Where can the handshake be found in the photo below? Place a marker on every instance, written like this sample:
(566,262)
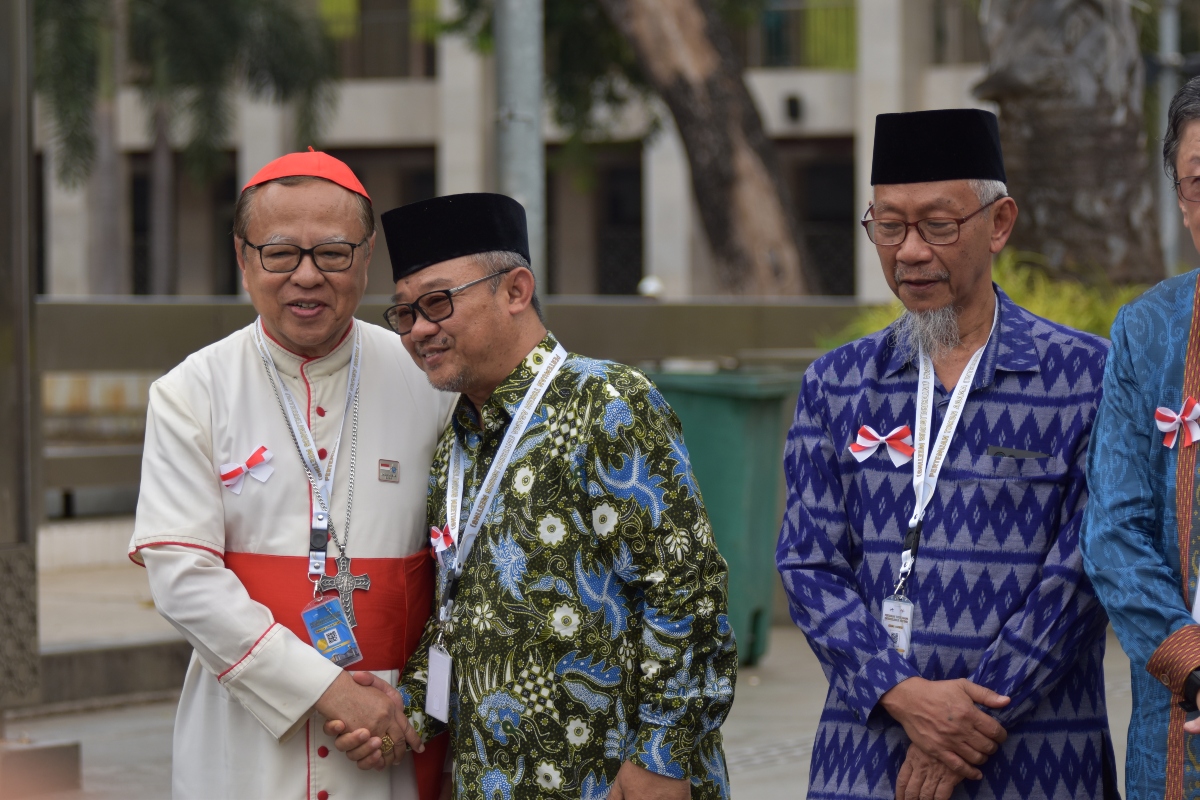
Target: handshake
(366,714)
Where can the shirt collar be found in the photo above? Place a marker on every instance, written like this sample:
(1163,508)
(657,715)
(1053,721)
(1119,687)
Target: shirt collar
(1011,349)
(289,363)
(500,408)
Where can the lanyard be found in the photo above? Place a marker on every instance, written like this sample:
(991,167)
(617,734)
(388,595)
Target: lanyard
(465,540)
(320,480)
(926,466)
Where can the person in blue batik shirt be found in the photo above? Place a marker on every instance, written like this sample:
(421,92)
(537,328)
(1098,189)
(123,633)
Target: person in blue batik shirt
(1141,534)
(987,679)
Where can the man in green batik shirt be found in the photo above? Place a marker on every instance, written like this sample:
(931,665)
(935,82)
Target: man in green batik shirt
(592,653)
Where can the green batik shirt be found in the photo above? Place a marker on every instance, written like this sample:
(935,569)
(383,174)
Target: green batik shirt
(590,625)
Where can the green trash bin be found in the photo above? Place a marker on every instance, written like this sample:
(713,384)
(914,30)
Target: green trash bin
(734,427)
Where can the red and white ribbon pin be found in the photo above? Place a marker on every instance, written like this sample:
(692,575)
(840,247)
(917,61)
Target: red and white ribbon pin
(232,475)
(440,539)
(899,444)
(1169,423)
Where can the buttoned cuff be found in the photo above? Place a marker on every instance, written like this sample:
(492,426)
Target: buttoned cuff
(280,681)
(1175,658)
(876,678)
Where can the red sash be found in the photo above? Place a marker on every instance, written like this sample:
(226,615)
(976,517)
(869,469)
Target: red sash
(391,618)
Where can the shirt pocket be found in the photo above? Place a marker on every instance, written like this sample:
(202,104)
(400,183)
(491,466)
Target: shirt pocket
(1007,468)
(1018,499)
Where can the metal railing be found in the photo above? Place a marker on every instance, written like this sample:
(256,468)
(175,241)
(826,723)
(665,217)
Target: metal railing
(147,337)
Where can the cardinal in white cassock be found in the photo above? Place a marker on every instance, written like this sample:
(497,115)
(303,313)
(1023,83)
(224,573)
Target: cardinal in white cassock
(282,510)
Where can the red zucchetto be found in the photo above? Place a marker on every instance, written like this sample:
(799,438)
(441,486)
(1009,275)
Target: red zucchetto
(310,164)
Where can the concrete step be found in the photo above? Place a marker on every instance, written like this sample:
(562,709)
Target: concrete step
(99,634)
(105,673)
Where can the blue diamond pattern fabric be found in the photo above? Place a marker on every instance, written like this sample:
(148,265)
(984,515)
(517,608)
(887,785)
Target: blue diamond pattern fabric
(999,590)
(1130,532)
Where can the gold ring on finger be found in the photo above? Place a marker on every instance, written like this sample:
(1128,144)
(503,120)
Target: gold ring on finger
(388,744)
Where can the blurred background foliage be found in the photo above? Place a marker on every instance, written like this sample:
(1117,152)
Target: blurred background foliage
(1087,307)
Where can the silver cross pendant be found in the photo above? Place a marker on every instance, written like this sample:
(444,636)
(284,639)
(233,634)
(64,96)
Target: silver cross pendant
(344,584)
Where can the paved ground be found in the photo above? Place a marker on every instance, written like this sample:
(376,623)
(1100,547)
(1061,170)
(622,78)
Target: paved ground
(127,750)
(769,733)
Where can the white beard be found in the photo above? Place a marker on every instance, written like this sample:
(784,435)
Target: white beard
(933,332)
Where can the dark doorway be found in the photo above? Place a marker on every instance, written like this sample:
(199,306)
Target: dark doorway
(619,236)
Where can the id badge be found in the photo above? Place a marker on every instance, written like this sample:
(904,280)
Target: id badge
(330,632)
(437,692)
(897,619)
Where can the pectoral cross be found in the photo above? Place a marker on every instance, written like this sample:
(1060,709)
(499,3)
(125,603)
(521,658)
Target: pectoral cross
(344,584)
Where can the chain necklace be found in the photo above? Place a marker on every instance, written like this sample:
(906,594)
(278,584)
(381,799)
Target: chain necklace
(343,582)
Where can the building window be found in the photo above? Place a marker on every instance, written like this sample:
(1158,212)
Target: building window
(957,37)
(821,178)
(815,34)
(619,236)
(392,176)
(594,220)
(139,198)
(204,258)
(383,38)
(39,222)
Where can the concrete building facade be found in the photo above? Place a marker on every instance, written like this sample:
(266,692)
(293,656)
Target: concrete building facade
(415,118)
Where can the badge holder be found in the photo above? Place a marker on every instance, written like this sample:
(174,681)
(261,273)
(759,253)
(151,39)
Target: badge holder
(441,665)
(898,609)
(324,618)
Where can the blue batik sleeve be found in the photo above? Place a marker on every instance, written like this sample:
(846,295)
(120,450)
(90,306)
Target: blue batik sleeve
(815,554)
(1041,641)
(1123,551)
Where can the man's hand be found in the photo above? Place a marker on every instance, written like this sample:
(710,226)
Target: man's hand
(923,777)
(362,708)
(940,717)
(638,783)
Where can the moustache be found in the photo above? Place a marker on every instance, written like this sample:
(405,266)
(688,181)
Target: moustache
(421,347)
(916,275)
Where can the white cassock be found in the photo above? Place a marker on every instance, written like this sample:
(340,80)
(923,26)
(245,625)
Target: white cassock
(229,570)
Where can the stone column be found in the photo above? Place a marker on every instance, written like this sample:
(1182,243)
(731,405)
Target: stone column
(463,118)
(895,42)
(667,212)
(18,438)
(67,233)
(264,133)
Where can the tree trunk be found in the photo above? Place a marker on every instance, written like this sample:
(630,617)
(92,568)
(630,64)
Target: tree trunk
(1067,75)
(162,205)
(745,206)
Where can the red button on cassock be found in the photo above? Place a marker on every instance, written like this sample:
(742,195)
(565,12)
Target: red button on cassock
(322,453)
(320,411)
(322,795)
(322,751)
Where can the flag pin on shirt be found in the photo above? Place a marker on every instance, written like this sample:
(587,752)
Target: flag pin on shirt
(389,471)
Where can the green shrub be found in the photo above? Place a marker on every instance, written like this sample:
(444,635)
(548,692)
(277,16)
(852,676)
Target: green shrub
(1088,308)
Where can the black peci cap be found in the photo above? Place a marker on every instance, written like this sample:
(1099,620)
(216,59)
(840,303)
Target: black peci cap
(947,145)
(432,231)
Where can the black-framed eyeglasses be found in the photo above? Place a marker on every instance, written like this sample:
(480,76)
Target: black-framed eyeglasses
(934,230)
(328,257)
(1189,188)
(435,306)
